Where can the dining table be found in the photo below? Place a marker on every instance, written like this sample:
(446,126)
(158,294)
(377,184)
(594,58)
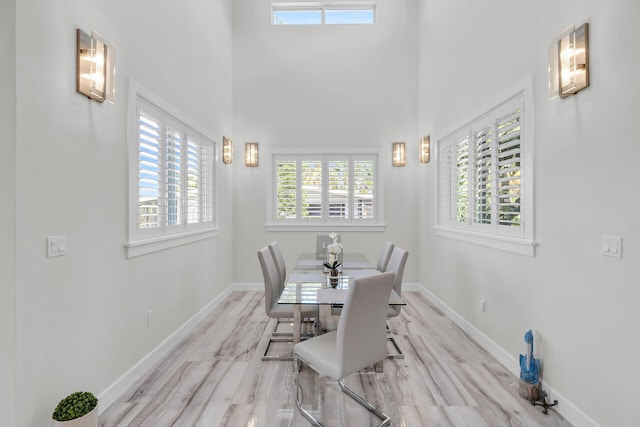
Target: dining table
(309,284)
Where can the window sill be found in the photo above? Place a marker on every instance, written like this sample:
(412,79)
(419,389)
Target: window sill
(324,227)
(509,244)
(146,246)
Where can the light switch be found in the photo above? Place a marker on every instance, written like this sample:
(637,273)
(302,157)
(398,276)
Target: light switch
(611,246)
(56,246)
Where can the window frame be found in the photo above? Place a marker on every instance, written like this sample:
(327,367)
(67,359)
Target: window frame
(323,8)
(325,223)
(520,240)
(141,241)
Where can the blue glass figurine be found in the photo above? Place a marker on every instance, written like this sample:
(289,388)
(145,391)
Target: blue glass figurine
(529,365)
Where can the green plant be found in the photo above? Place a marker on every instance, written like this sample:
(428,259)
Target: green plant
(74,406)
(333,268)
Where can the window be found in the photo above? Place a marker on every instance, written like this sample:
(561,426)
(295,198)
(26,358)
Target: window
(484,178)
(325,189)
(171,180)
(318,14)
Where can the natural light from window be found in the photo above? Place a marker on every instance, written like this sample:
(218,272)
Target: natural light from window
(308,14)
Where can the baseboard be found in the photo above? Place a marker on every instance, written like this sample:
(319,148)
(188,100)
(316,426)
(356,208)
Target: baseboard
(112,393)
(247,286)
(568,410)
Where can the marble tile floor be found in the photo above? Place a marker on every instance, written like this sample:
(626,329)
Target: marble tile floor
(216,377)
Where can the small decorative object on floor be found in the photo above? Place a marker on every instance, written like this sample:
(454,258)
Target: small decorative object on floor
(530,377)
(542,397)
(79,409)
(529,371)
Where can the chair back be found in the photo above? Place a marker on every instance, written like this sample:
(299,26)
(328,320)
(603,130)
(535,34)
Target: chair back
(322,240)
(384,256)
(270,275)
(396,264)
(361,336)
(278,258)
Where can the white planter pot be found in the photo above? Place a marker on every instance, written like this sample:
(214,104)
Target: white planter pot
(88,420)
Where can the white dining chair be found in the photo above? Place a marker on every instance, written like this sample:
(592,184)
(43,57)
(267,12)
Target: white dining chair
(396,264)
(276,253)
(359,341)
(272,291)
(383,260)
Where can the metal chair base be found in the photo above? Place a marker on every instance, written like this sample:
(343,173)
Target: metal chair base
(398,354)
(386,421)
(286,337)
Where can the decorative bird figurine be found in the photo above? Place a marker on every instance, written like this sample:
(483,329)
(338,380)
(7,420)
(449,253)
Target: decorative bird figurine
(529,365)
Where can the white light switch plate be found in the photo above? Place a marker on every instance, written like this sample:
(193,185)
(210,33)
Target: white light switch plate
(611,246)
(56,246)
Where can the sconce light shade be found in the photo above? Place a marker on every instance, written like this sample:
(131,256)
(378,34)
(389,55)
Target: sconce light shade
(425,149)
(569,62)
(95,67)
(227,150)
(251,154)
(399,154)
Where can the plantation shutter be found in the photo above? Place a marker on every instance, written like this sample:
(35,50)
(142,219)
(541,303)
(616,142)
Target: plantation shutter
(446,178)
(462,180)
(286,189)
(485,188)
(149,172)
(480,175)
(319,189)
(483,170)
(207,179)
(338,183)
(509,177)
(311,189)
(364,189)
(193,182)
(173,168)
(171,179)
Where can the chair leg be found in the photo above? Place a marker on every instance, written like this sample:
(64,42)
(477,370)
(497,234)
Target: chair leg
(368,405)
(386,421)
(304,412)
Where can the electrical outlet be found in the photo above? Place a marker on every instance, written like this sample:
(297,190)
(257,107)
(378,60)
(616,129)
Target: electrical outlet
(483,305)
(150,317)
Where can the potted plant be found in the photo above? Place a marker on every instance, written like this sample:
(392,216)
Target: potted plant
(79,409)
(333,272)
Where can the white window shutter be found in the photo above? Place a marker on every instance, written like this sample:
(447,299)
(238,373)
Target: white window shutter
(364,189)
(149,173)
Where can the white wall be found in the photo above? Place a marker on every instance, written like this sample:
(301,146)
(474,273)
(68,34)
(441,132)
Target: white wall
(582,305)
(81,318)
(324,87)
(7,213)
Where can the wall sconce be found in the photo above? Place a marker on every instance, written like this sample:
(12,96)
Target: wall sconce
(251,154)
(569,62)
(227,150)
(95,61)
(399,154)
(425,149)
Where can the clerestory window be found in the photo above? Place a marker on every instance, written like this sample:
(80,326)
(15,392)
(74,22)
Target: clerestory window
(322,14)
